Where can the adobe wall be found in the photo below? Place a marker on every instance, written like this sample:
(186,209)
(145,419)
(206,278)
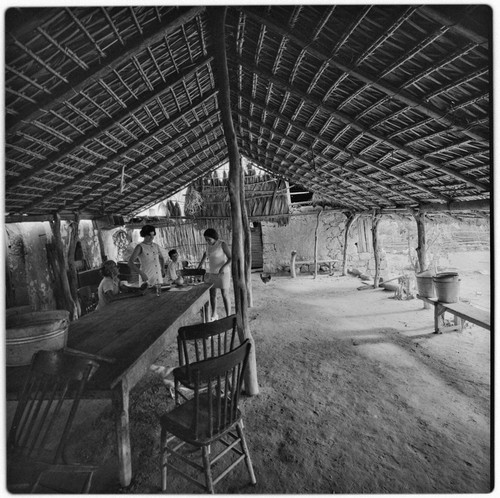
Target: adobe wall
(28,278)
(299,235)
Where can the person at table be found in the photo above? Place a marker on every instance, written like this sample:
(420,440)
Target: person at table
(149,254)
(219,270)
(110,289)
(174,268)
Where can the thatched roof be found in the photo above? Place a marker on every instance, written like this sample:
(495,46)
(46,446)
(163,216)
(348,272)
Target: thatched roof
(371,107)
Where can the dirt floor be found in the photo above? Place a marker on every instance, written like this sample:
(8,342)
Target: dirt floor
(357,395)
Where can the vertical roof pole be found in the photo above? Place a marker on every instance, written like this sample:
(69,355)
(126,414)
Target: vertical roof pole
(239,221)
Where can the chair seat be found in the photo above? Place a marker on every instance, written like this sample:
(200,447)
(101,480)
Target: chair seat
(179,422)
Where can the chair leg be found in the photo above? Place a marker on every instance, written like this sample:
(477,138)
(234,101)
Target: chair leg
(205,451)
(244,448)
(164,458)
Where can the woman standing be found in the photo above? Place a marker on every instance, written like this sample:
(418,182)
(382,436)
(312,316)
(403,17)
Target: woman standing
(149,254)
(219,270)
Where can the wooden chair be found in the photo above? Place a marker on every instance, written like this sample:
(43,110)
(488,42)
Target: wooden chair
(42,422)
(201,342)
(89,299)
(211,422)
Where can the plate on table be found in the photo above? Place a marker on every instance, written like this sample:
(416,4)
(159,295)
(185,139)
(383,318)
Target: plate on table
(131,286)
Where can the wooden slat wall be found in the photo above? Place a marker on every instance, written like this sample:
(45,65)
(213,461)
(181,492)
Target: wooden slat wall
(188,238)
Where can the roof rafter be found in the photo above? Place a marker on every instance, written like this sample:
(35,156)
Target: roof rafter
(153,169)
(372,80)
(110,123)
(300,157)
(117,57)
(268,76)
(115,157)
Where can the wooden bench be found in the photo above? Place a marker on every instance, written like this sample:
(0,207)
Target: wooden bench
(463,312)
(329,262)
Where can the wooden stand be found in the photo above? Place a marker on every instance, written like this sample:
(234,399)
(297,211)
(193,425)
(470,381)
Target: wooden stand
(462,312)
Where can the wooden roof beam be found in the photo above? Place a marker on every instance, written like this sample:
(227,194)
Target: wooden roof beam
(115,157)
(431,13)
(277,166)
(208,167)
(284,85)
(147,97)
(328,143)
(116,56)
(480,205)
(157,170)
(332,175)
(373,80)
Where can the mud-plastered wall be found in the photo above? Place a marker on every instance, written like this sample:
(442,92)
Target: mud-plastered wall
(329,227)
(28,278)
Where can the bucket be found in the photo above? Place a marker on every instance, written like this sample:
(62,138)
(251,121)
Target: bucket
(447,287)
(425,284)
(31,332)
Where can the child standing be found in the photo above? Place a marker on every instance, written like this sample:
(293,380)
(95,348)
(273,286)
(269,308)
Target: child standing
(174,268)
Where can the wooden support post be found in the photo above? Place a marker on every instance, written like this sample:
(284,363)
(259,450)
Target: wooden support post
(316,244)
(350,217)
(216,20)
(57,263)
(292,264)
(376,249)
(422,246)
(247,239)
(72,273)
(120,402)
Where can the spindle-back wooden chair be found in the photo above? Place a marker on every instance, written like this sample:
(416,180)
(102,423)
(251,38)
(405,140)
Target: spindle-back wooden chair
(210,422)
(203,341)
(41,426)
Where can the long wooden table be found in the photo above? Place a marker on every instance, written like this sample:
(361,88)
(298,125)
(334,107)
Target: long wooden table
(129,335)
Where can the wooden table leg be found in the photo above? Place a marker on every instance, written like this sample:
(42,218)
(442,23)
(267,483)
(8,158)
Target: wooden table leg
(438,315)
(206,311)
(120,408)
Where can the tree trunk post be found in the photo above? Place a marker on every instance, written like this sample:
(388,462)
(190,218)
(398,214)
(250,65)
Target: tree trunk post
(72,273)
(422,245)
(316,244)
(376,249)
(239,263)
(247,240)
(350,217)
(65,300)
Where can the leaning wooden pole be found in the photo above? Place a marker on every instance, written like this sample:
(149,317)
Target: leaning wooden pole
(217,16)
(247,239)
(421,247)
(72,273)
(349,221)
(376,249)
(316,244)
(58,264)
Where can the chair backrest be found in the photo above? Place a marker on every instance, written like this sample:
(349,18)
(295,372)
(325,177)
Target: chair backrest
(48,403)
(89,298)
(217,386)
(206,340)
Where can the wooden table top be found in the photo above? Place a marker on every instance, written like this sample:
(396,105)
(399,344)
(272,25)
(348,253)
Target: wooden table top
(126,330)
